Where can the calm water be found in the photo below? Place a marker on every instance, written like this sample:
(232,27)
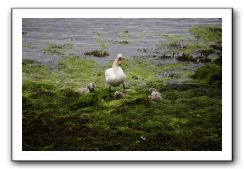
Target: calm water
(84,34)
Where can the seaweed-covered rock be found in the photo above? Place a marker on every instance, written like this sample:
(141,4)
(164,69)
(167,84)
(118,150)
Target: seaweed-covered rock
(204,59)
(216,46)
(97,53)
(186,58)
(57,49)
(205,52)
(209,73)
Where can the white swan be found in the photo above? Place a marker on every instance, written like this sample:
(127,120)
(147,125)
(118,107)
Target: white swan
(115,76)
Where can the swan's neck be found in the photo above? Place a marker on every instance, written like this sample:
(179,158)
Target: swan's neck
(115,65)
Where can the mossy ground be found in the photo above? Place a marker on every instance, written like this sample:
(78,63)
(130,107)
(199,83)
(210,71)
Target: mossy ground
(57,117)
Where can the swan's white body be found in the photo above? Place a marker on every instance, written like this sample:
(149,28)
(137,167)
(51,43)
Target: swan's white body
(115,76)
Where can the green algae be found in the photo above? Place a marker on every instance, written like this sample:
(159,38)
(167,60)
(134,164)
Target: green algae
(57,49)
(102,43)
(57,117)
(207,35)
(97,53)
(209,73)
(202,44)
(25,45)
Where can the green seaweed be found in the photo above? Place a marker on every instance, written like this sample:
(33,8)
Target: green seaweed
(102,43)
(57,49)
(203,44)
(207,34)
(24,45)
(57,117)
(209,73)
(97,53)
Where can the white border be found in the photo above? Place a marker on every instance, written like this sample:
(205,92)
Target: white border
(19,155)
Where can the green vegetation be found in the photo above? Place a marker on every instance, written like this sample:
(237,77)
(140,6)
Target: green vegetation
(57,49)
(102,43)
(97,53)
(56,116)
(207,35)
(123,34)
(209,73)
(186,58)
(206,39)
(203,44)
(125,42)
(24,45)
(103,46)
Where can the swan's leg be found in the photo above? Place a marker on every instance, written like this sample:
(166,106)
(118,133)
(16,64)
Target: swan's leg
(123,86)
(109,90)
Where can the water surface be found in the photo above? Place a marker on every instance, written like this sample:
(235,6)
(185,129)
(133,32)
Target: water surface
(84,33)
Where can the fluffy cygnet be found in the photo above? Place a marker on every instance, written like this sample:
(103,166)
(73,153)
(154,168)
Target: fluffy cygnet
(119,95)
(88,88)
(155,95)
(84,90)
(91,86)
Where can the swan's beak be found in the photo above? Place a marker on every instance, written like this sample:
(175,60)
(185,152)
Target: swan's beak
(121,60)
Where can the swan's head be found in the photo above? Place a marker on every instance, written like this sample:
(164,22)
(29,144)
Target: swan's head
(91,86)
(120,58)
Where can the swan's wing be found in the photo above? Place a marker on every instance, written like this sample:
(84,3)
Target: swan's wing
(121,72)
(109,74)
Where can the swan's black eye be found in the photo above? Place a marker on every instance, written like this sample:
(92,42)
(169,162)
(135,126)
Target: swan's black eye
(120,58)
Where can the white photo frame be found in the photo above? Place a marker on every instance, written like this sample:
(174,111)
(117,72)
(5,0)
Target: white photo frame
(19,155)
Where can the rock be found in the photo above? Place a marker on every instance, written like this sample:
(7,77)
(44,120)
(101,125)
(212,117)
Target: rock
(186,58)
(97,53)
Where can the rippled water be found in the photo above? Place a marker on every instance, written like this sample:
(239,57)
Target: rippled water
(83,34)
